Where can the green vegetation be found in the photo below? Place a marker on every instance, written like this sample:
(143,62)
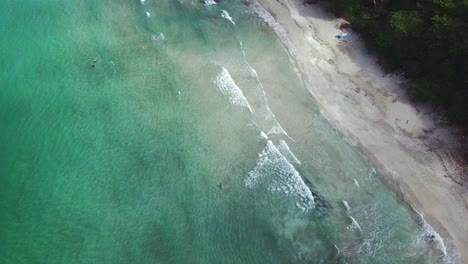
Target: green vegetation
(426,39)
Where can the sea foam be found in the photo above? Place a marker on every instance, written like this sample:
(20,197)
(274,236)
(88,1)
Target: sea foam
(284,149)
(276,129)
(277,28)
(356,183)
(158,37)
(225,15)
(346,205)
(228,87)
(274,170)
(446,246)
(355,223)
(209,2)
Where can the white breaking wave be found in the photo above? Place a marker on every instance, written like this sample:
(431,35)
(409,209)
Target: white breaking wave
(337,249)
(209,2)
(148,14)
(446,246)
(263,135)
(269,115)
(279,30)
(356,183)
(346,205)
(280,176)
(158,37)
(225,15)
(355,223)
(253,72)
(228,87)
(277,129)
(142,2)
(284,149)
(371,173)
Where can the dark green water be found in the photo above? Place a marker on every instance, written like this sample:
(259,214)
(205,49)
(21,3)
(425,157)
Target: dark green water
(122,162)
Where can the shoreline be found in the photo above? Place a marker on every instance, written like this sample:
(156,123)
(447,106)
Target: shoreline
(410,146)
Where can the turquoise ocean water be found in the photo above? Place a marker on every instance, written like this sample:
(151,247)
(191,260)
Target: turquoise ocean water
(190,140)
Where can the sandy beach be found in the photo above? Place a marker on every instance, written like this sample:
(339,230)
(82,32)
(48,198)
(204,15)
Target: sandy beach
(410,146)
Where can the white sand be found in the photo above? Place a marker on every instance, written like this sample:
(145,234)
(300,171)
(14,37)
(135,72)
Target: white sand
(373,109)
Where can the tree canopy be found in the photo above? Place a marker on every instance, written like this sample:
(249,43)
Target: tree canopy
(426,39)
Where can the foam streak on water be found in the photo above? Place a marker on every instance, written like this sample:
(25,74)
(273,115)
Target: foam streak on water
(209,2)
(158,37)
(276,129)
(284,149)
(355,223)
(279,175)
(268,115)
(356,183)
(225,15)
(228,87)
(346,205)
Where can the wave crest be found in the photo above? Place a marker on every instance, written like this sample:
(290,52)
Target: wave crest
(228,87)
(280,176)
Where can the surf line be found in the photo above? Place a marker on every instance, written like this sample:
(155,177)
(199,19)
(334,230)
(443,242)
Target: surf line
(277,128)
(273,169)
(228,87)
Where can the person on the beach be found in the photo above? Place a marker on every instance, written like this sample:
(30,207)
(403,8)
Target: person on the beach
(343,36)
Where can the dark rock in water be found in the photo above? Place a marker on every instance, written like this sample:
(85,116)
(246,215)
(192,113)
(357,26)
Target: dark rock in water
(320,201)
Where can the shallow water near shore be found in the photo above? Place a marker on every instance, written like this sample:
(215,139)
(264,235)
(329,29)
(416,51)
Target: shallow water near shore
(190,140)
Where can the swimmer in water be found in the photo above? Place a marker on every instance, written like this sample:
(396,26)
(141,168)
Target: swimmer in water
(220,186)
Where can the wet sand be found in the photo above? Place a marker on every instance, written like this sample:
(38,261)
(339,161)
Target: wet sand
(409,145)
